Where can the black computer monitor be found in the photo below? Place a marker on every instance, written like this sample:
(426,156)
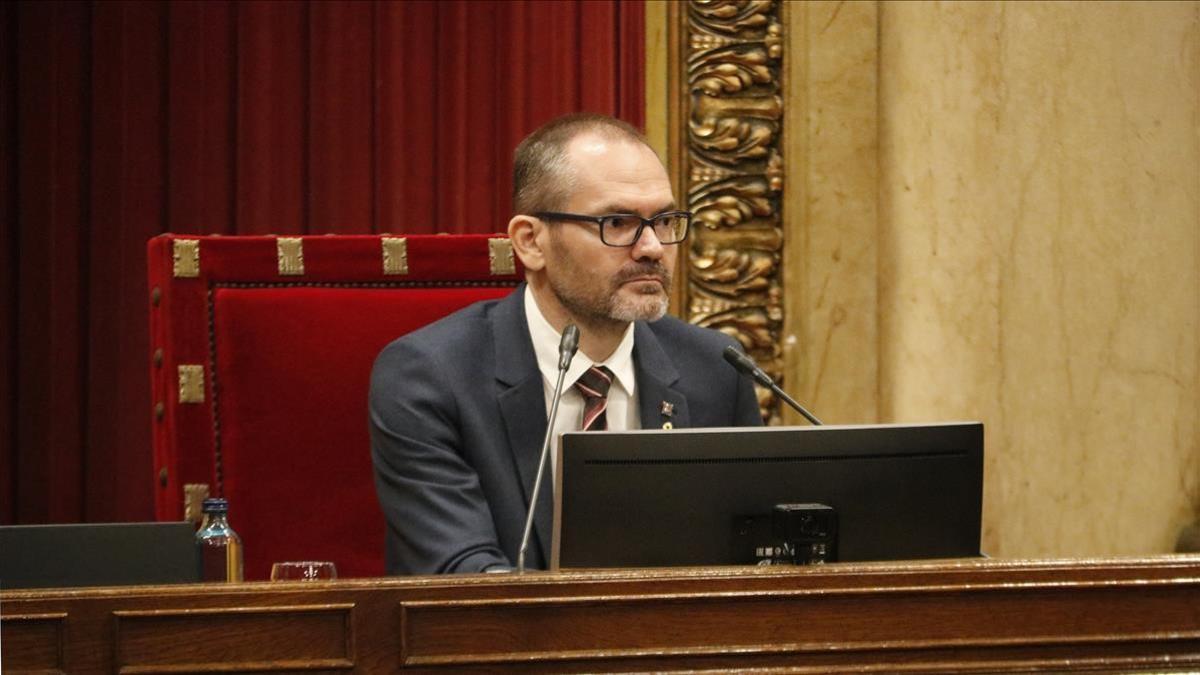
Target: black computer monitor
(717,496)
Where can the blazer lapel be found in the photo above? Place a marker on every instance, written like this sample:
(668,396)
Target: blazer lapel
(660,404)
(523,406)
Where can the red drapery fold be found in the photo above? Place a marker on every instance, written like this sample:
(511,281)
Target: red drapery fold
(122,120)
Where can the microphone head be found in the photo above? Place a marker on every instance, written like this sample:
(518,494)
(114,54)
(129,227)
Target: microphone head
(568,346)
(570,339)
(745,365)
(738,360)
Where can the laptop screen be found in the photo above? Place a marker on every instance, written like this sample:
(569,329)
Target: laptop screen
(98,554)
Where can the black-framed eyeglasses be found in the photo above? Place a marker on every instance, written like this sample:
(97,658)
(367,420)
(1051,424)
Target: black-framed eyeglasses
(624,229)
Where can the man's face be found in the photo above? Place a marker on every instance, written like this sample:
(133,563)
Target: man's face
(607,284)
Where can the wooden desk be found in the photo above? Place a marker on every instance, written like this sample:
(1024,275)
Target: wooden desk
(1111,614)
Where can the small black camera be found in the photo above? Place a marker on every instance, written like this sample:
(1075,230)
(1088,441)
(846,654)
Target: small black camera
(792,534)
(806,534)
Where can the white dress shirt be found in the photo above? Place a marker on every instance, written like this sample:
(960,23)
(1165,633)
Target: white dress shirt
(622,412)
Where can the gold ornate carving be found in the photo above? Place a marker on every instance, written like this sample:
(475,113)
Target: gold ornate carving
(290,251)
(500,255)
(730,18)
(186,254)
(395,255)
(191,383)
(733,109)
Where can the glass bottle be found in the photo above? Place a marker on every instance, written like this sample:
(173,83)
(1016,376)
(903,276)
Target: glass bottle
(220,547)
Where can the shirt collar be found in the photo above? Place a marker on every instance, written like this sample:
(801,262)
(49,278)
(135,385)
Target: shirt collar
(545,347)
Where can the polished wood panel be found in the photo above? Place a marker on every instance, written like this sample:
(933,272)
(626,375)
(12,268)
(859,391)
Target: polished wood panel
(235,637)
(1111,615)
(34,641)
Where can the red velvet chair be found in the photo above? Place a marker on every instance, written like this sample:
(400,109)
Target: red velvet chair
(261,354)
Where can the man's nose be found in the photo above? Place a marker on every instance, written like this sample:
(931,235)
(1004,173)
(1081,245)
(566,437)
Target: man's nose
(647,245)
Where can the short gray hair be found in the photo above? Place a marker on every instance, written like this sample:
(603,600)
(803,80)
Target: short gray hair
(542,177)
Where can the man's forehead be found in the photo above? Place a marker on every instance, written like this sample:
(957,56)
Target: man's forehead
(594,144)
(590,144)
(611,170)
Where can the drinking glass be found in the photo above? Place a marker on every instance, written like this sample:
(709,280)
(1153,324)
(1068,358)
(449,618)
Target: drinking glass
(303,570)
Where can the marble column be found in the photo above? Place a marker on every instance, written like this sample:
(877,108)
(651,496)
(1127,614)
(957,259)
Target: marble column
(1039,258)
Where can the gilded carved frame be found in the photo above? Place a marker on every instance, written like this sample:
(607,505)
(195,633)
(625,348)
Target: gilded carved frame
(724,138)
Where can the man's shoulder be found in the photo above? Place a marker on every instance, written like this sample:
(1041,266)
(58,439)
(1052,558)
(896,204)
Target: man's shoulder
(452,325)
(460,331)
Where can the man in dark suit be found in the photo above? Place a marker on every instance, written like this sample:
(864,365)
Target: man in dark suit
(459,408)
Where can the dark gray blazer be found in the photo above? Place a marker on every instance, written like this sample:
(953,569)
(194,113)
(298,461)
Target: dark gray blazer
(457,416)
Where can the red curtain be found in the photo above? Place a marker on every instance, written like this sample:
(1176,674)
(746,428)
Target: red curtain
(123,120)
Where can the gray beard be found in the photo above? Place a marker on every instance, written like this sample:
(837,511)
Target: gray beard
(615,309)
(649,307)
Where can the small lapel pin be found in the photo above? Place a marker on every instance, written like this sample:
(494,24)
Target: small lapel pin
(668,408)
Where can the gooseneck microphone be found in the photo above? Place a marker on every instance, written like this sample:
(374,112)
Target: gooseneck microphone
(566,351)
(747,366)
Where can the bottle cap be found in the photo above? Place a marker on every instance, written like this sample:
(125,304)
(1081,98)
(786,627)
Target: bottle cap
(215,505)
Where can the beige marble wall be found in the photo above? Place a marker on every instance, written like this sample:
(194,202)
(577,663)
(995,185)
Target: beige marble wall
(829,209)
(1039,258)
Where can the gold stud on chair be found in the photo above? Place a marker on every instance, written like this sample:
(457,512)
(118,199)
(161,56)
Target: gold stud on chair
(290,251)
(500,254)
(395,255)
(186,258)
(191,383)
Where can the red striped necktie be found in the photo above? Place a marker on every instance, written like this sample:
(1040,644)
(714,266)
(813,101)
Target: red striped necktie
(594,385)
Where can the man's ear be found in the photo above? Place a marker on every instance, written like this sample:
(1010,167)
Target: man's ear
(523,233)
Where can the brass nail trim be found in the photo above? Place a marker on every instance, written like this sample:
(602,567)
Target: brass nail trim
(395,255)
(290,251)
(186,256)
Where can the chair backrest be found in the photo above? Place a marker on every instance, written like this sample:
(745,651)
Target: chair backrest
(261,355)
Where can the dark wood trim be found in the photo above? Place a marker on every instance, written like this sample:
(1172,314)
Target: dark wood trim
(1116,614)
